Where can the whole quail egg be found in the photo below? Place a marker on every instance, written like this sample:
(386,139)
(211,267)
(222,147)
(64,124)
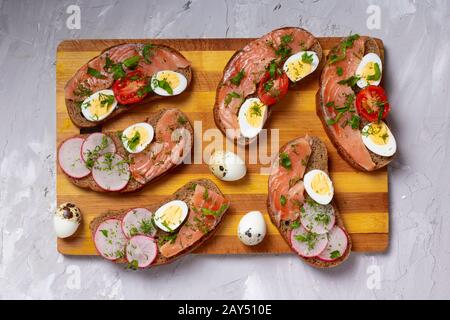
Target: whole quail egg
(66,220)
(252,228)
(227,166)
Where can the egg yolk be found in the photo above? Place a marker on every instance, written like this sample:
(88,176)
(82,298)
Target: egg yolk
(297,69)
(368,70)
(143,134)
(378,133)
(255,114)
(97,108)
(170,77)
(320,184)
(172,215)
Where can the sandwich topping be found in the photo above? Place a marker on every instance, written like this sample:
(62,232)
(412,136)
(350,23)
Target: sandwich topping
(299,203)
(263,68)
(353,99)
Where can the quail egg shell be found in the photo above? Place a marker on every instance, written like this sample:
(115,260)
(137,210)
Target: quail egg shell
(252,228)
(66,220)
(227,166)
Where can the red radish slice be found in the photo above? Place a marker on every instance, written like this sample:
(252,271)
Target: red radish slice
(111,172)
(95,145)
(317,218)
(110,240)
(337,245)
(308,244)
(141,249)
(138,221)
(69,158)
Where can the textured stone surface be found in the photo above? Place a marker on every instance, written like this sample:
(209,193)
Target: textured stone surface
(417,38)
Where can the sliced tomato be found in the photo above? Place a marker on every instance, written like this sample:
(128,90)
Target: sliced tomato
(372,104)
(271,90)
(131,88)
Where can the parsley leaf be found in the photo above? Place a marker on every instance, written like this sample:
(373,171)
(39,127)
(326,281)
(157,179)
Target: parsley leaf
(350,81)
(95,73)
(285,161)
(307,58)
(339,71)
(131,62)
(236,80)
(282,200)
(147,52)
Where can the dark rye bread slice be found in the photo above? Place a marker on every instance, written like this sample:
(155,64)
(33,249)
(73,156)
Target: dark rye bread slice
(184,193)
(370,46)
(316,47)
(88,182)
(317,160)
(74,107)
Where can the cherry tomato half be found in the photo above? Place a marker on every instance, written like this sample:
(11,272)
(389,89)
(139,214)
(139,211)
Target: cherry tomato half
(372,104)
(271,90)
(131,88)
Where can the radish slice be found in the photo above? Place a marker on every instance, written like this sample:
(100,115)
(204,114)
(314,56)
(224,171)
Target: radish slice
(110,240)
(308,244)
(337,245)
(111,172)
(317,218)
(141,250)
(138,221)
(69,158)
(95,145)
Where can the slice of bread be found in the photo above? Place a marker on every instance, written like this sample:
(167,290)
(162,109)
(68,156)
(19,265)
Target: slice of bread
(184,193)
(317,160)
(370,46)
(246,141)
(133,185)
(74,108)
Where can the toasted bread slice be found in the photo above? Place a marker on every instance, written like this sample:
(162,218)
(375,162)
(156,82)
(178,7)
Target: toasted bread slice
(88,182)
(317,160)
(74,108)
(316,47)
(185,194)
(370,46)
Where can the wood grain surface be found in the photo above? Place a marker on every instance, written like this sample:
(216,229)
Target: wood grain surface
(361,197)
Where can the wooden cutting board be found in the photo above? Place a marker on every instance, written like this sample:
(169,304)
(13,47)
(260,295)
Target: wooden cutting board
(362,197)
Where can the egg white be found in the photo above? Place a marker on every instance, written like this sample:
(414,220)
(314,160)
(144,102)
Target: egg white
(227,166)
(386,150)
(247,130)
(169,227)
(298,56)
(177,90)
(142,144)
(322,199)
(370,57)
(87,113)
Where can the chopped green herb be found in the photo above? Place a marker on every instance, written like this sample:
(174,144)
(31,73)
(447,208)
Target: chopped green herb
(348,107)
(285,161)
(339,71)
(377,75)
(354,121)
(350,81)
(148,52)
(335,254)
(133,265)
(205,194)
(133,142)
(236,80)
(95,73)
(283,200)
(310,238)
(307,58)
(287,38)
(105,233)
(230,96)
(347,43)
(181,120)
(193,186)
(268,85)
(115,68)
(163,84)
(295,224)
(131,62)
(209,212)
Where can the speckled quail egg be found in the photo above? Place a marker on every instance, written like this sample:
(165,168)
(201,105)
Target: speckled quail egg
(252,228)
(227,166)
(66,220)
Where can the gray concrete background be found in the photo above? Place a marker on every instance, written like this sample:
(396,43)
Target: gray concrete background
(417,37)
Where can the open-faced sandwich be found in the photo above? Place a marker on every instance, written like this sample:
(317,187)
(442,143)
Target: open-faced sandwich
(126,161)
(259,75)
(124,76)
(159,233)
(352,105)
(301,206)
